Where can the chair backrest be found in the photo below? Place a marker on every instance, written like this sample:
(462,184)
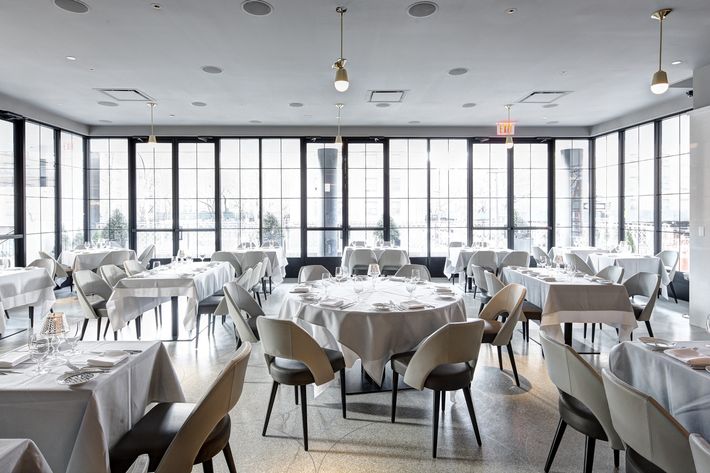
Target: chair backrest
(612,273)
(406,271)
(47,264)
(284,339)
(573,261)
(701,453)
(117,257)
(88,284)
(147,255)
(216,403)
(256,274)
(245,279)
(670,261)
(230,258)
(455,342)
(392,258)
(132,267)
(485,258)
(539,254)
(234,294)
(479,278)
(266,269)
(357,244)
(646,427)
(575,376)
(644,284)
(516,258)
(111,274)
(493,283)
(361,257)
(58,269)
(312,272)
(509,302)
(252,258)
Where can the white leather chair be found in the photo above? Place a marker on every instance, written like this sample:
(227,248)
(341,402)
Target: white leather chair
(485,259)
(312,272)
(391,260)
(111,274)
(515,258)
(60,270)
(244,311)
(406,271)
(133,267)
(360,260)
(529,311)
(539,254)
(47,264)
(146,256)
(645,285)
(701,453)
(576,263)
(93,293)
(612,273)
(230,258)
(670,264)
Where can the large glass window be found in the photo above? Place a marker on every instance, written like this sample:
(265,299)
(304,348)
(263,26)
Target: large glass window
(108,189)
(366,192)
(606,192)
(639,188)
(196,198)
(490,194)
(40,190)
(281,193)
(71,162)
(408,195)
(154,197)
(675,187)
(7,190)
(239,198)
(448,161)
(530,199)
(325,199)
(572,193)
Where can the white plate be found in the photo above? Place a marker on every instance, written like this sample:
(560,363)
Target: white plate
(444,297)
(381,306)
(310,297)
(76,378)
(657,343)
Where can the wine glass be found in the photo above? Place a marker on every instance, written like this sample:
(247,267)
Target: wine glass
(72,338)
(339,274)
(39,348)
(410,285)
(416,275)
(325,282)
(373,271)
(358,287)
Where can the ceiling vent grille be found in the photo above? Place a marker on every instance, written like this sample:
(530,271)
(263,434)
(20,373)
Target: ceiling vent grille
(544,96)
(386,96)
(127,95)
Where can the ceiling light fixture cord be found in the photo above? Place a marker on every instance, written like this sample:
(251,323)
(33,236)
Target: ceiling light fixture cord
(152,106)
(660,46)
(341,11)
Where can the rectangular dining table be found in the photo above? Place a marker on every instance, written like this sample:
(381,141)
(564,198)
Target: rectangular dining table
(75,427)
(92,258)
(457,261)
(277,259)
(632,264)
(20,287)
(22,456)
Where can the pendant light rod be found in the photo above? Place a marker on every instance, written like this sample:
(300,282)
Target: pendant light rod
(659,81)
(341,10)
(338,137)
(151,138)
(341,81)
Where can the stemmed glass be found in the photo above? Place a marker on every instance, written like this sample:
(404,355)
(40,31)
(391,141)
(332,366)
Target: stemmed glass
(325,282)
(410,285)
(358,287)
(373,271)
(39,348)
(338,274)
(72,338)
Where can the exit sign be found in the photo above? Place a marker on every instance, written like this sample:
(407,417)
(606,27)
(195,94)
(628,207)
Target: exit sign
(505,128)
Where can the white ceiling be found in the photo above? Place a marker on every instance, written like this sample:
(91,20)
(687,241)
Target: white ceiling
(604,51)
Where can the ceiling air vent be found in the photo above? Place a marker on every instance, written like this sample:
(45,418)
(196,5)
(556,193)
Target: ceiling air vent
(386,96)
(543,96)
(127,95)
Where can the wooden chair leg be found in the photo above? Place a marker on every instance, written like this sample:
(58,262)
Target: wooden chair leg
(512,363)
(435,424)
(304,417)
(561,426)
(589,454)
(472,413)
(395,386)
(342,392)
(229,458)
(274,389)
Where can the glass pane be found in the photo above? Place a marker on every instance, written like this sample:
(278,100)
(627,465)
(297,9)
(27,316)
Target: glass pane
(40,189)
(196,197)
(154,189)
(71,161)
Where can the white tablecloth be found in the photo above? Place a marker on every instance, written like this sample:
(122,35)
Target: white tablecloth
(93,258)
(685,392)
(581,251)
(21,456)
(278,259)
(25,287)
(370,335)
(348,250)
(75,427)
(632,264)
(577,300)
(196,281)
(458,259)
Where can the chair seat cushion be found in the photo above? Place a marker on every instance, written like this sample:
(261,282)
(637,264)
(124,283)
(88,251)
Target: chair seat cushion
(209,304)
(638,309)
(490,330)
(219,293)
(154,432)
(635,463)
(579,417)
(295,373)
(97,302)
(531,311)
(446,377)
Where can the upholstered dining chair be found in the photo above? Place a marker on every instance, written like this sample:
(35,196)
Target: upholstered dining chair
(669,258)
(539,254)
(245,279)
(391,260)
(294,358)
(655,441)
(358,244)
(530,310)
(407,270)
(645,285)
(93,293)
(514,258)
(701,453)
(479,282)
(444,361)
(611,273)
(360,260)
(244,311)
(230,258)
(133,267)
(582,403)
(176,435)
(485,259)
(60,270)
(111,274)
(146,256)
(257,284)
(47,264)
(573,261)
(312,272)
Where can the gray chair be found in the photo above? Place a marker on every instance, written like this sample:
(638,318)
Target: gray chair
(479,281)
(244,311)
(407,270)
(645,285)
(47,264)
(582,403)
(133,267)
(294,358)
(655,441)
(93,293)
(701,453)
(539,254)
(485,259)
(391,261)
(176,436)
(312,272)
(669,258)
(230,258)
(573,261)
(515,258)
(146,256)
(60,270)
(612,273)
(111,274)
(444,361)
(529,311)
(360,260)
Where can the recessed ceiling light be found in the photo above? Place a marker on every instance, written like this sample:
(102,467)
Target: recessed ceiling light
(71,58)
(295,104)
(256,122)
(106,103)
(72,6)
(511,11)
(382,105)
(91,69)
(199,104)
(422,9)
(172,115)
(468,105)
(458,71)
(156,6)
(553,122)
(414,122)
(675,63)
(551,105)
(212,69)
(105,121)
(257,7)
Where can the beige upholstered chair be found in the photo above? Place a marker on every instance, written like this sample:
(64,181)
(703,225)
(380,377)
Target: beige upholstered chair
(146,256)
(360,259)
(530,311)
(701,453)
(140,465)
(244,311)
(576,263)
(117,257)
(655,441)
(612,273)
(515,258)
(391,260)
(646,285)
(669,258)
(60,270)
(111,274)
(312,272)
(507,303)
(176,436)
(294,358)
(133,267)
(485,259)
(582,403)
(480,283)
(92,292)
(230,258)
(444,361)
(406,271)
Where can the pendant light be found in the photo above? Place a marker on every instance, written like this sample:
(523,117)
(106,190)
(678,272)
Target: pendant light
(508,139)
(341,74)
(339,139)
(151,138)
(659,82)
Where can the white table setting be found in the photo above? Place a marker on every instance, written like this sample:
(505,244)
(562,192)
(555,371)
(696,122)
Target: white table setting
(632,264)
(92,258)
(457,261)
(192,280)
(77,409)
(377,250)
(277,258)
(557,253)
(21,287)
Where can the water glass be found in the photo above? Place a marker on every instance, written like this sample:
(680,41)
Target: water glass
(39,348)
(416,275)
(358,286)
(325,282)
(339,274)
(410,285)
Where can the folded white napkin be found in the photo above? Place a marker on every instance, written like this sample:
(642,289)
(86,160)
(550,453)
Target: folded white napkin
(108,359)
(690,356)
(13,358)
(333,303)
(397,278)
(443,289)
(412,305)
(300,289)
(548,279)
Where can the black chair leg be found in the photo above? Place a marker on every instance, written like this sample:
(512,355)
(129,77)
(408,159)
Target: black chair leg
(472,413)
(395,386)
(500,358)
(481,307)
(435,424)
(229,458)
(342,392)
(648,327)
(98,329)
(115,334)
(589,454)
(83,328)
(258,297)
(670,286)
(197,330)
(585,330)
(155,311)
(561,426)
(207,466)
(274,389)
(616,459)
(512,363)
(295,390)
(108,323)
(32,318)
(594,327)
(138,327)
(304,417)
